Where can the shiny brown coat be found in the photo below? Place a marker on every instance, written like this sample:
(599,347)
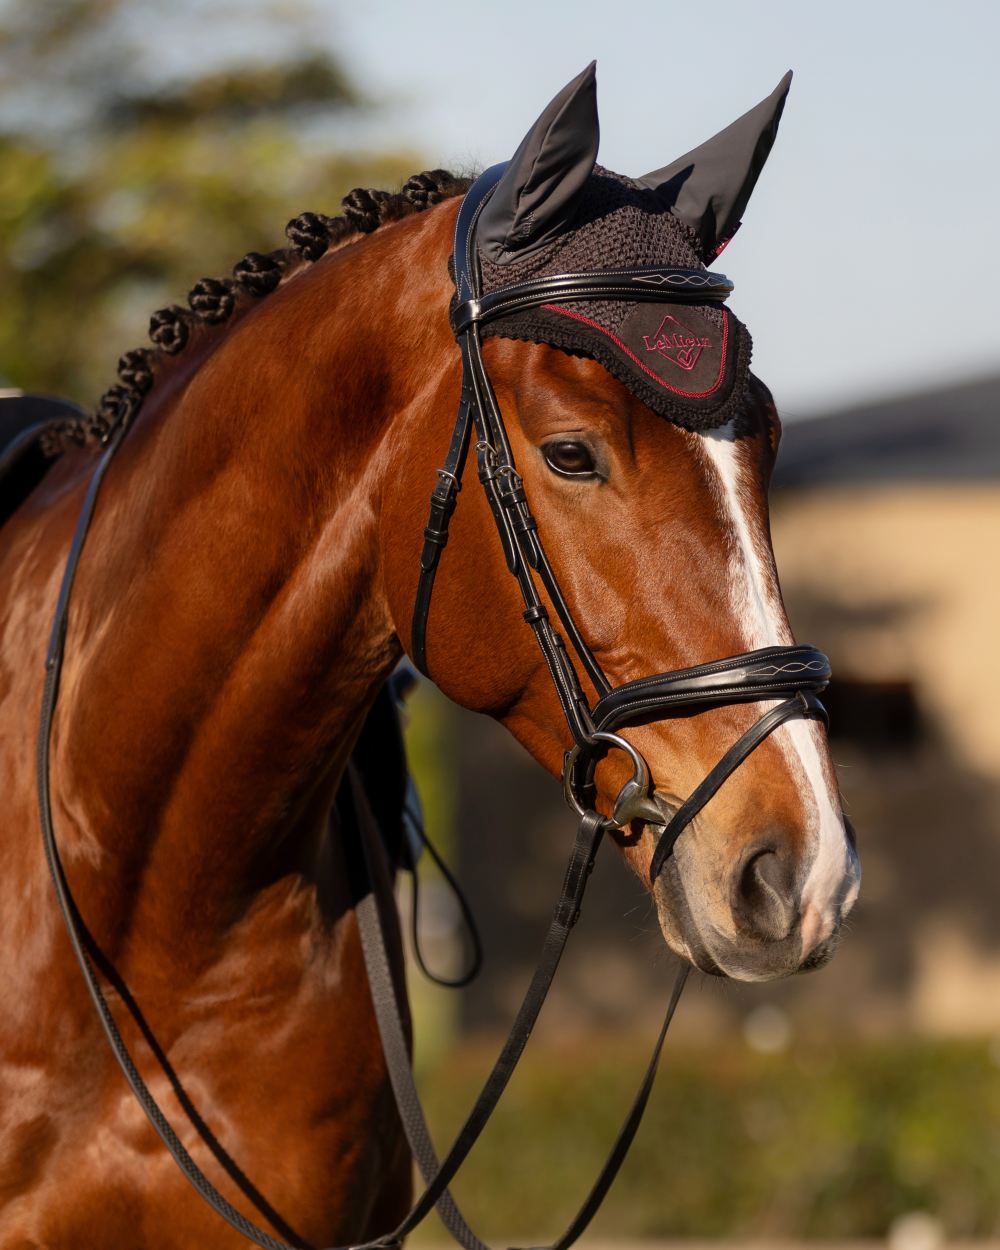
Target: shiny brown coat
(245,589)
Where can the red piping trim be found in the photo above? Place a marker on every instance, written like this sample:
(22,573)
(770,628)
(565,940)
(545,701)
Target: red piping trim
(566,312)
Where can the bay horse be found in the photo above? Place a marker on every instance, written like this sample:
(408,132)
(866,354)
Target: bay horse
(246,589)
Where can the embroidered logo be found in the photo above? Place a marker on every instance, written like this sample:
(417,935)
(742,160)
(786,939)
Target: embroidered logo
(677,343)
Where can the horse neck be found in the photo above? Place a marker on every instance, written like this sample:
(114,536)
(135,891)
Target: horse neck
(230,631)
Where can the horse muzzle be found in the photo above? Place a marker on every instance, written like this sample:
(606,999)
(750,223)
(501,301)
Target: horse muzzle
(749,916)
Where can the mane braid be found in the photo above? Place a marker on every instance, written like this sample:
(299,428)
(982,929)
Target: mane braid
(212,301)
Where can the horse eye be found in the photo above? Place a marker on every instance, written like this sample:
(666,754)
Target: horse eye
(569,458)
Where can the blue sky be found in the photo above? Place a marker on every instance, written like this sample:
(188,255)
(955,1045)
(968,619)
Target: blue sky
(868,260)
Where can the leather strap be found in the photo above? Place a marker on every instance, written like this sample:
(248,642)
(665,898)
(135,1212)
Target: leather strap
(653,285)
(475,941)
(443,500)
(438,1175)
(612,1165)
(564,917)
(805,704)
(74,926)
(771,672)
(463,252)
(387,1000)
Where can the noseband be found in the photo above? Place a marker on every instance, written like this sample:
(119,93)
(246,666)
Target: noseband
(792,674)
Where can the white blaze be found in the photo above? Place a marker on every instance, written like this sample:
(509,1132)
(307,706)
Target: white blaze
(757,606)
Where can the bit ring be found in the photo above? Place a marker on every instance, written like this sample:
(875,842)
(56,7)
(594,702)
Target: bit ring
(638,784)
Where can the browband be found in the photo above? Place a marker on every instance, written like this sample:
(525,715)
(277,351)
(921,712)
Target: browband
(654,285)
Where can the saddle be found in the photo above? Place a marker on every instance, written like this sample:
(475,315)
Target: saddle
(23,464)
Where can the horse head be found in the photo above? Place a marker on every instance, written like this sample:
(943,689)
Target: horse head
(643,448)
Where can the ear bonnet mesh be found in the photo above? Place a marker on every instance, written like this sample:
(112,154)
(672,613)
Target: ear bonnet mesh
(688,362)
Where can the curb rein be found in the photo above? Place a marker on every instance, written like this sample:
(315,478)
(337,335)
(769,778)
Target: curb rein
(794,674)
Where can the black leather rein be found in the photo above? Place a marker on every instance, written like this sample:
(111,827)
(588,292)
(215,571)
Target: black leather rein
(794,674)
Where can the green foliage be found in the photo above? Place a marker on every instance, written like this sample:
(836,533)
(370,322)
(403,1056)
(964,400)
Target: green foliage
(812,1144)
(121,186)
(238,94)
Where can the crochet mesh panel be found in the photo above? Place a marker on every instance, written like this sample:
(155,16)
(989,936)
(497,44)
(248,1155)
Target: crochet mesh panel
(691,367)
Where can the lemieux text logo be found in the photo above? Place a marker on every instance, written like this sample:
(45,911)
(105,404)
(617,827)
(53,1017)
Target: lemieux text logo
(677,343)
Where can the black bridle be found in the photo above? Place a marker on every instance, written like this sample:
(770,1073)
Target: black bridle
(791,674)
(794,674)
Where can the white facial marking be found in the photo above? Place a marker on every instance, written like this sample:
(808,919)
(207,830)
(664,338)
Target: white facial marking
(757,605)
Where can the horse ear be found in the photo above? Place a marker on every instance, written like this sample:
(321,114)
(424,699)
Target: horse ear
(533,199)
(709,187)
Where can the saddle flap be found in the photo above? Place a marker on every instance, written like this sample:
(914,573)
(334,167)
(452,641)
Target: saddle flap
(23,464)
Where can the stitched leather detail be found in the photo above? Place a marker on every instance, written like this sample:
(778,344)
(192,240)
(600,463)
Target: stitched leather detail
(770,672)
(652,286)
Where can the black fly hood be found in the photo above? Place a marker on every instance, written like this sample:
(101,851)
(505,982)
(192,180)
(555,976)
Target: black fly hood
(689,363)
(556,212)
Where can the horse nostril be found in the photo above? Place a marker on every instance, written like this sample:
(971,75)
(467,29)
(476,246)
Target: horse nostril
(764,896)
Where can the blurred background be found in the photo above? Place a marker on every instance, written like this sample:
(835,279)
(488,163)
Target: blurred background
(143,146)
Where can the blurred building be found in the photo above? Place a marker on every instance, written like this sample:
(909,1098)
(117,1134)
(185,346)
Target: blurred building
(886,523)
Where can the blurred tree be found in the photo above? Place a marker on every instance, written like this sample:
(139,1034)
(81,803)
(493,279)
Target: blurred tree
(143,146)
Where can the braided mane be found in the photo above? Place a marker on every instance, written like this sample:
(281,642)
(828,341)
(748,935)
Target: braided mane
(212,301)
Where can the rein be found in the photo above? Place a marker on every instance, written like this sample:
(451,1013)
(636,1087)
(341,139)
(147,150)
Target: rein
(792,674)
